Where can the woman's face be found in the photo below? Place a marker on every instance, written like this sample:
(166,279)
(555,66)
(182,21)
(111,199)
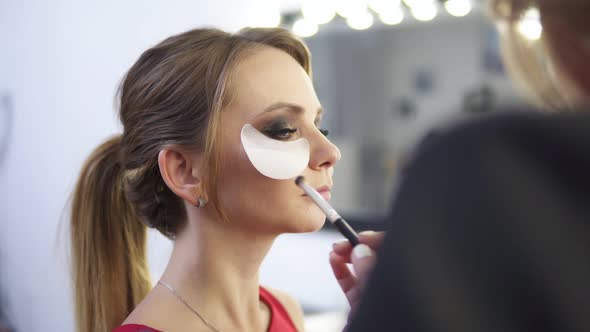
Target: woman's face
(274,94)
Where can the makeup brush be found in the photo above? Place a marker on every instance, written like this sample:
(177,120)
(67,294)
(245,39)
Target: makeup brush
(331,214)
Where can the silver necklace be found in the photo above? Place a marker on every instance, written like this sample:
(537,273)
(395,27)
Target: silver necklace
(171,289)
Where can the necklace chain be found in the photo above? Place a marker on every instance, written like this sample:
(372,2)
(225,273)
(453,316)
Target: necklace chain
(173,291)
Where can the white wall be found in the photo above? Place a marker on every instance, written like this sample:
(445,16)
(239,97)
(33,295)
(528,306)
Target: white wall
(60,62)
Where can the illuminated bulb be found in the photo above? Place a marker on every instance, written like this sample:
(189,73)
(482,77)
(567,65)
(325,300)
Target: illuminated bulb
(458,8)
(351,8)
(409,3)
(424,12)
(530,25)
(532,13)
(392,17)
(530,29)
(304,27)
(319,11)
(360,21)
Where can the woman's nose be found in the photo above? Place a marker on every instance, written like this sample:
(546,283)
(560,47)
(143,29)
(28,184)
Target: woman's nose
(324,154)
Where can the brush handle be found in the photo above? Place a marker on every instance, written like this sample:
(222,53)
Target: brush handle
(347,231)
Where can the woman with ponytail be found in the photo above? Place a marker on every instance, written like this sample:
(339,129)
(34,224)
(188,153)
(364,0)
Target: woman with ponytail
(184,167)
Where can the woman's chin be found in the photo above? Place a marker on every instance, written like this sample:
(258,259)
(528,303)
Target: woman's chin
(309,226)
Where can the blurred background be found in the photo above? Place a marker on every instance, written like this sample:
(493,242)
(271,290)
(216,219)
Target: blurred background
(386,71)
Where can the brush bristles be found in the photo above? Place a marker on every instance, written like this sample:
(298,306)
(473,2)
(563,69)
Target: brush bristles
(299,180)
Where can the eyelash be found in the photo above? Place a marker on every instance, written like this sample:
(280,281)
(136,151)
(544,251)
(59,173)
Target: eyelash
(284,134)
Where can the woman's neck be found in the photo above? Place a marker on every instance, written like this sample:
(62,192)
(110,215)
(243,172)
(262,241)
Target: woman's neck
(215,267)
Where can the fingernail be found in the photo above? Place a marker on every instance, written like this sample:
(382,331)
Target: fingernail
(367,233)
(339,243)
(361,251)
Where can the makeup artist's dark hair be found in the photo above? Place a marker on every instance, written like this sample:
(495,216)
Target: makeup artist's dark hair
(172,95)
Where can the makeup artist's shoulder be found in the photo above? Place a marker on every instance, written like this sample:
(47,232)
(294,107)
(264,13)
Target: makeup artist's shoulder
(291,305)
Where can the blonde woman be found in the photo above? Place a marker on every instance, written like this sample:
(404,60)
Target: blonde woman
(191,108)
(491,223)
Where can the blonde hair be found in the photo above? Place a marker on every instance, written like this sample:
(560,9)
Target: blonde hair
(172,95)
(529,61)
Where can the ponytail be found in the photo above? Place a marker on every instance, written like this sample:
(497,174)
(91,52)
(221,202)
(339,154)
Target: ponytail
(109,261)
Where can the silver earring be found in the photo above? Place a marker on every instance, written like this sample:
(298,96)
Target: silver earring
(201,202)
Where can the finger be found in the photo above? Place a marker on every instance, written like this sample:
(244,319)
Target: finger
(344,276)
(343,248)
(363,259)
(344,257)
(353,295)
(347,281)
(370,238)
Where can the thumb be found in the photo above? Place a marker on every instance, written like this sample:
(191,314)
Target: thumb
(363,259)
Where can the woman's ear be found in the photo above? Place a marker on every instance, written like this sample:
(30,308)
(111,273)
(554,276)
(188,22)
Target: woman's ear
(181,173)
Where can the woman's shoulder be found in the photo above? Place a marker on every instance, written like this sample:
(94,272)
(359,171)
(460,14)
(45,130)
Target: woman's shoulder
(507,133)
(159,311)
(135,328)
(517,125)
(291,305)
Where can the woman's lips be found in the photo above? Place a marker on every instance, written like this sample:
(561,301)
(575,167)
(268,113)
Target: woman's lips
(327,195)
(325,191)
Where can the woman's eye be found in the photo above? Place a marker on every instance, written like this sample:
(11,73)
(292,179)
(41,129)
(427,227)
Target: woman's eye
(282,134)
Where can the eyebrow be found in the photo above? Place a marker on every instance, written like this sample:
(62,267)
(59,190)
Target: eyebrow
(289,107)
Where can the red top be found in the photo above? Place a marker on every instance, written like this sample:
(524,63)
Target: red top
(279,318)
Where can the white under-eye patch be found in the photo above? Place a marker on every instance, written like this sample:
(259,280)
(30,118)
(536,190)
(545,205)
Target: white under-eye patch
(275,159)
